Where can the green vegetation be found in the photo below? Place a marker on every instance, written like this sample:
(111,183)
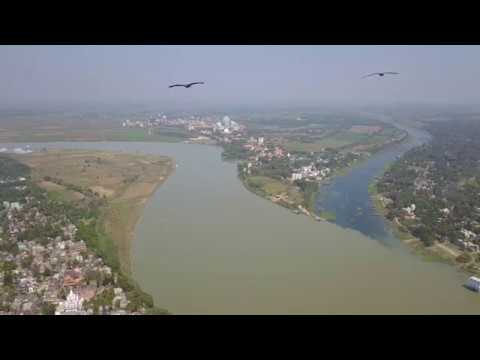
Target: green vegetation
(342,139)
(234,151)
(48,309)
(87,213)
(309,190)
(442,179)
(268,185)
(327,215)
(159,134)
(91,230)
(440,175)
(10,171)
(427,254)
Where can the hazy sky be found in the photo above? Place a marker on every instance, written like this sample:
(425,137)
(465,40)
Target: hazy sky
(239,74)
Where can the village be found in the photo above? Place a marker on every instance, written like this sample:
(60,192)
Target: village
(314,168)
(432,194)
(46,268)
(261,155)
(202,126)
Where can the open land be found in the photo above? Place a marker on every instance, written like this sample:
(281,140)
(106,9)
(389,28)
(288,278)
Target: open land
(126,181)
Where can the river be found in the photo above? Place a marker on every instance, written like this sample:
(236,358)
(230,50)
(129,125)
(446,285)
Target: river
(206,245)
(348,197)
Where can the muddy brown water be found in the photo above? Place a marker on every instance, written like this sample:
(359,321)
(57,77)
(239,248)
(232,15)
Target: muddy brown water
(205,245)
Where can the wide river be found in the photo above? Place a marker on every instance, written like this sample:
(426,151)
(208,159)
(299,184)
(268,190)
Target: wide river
(205,245)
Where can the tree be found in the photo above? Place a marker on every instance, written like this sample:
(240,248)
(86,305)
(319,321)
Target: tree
(8,278)
(48,309)
(27,262)
(424,234)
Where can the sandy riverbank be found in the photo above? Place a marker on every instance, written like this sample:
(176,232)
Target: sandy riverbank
(125,181)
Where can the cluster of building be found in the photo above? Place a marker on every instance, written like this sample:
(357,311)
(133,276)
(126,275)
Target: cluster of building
(470,242)
(227,126)
(17,150)
(262,151)
(310,172)
(52,269)
(202,125)
(428,185)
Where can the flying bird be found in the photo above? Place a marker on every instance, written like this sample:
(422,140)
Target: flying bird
(381,74)
(187,85)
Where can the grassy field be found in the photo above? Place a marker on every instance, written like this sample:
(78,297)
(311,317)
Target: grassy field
(342,139)
(63,134)
(59,192)
(125,180)
(161,135)
(267,187)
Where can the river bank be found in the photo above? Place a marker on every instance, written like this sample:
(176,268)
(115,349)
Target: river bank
(299,201)
(247,254)
(208,245)
(438,252)
(433,253)
(125,181)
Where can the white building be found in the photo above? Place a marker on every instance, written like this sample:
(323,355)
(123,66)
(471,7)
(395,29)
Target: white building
(474,283)
(234,125)
(410,210)
(13,205)
(445,211)
(226,121)
(324,172)
(260,140)
(468,234)
(296,176)
(71,306)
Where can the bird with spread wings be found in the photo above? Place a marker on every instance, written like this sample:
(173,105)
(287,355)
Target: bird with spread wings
(381,73)
(187,85)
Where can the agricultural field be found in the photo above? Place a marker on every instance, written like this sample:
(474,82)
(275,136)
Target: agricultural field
(343,139)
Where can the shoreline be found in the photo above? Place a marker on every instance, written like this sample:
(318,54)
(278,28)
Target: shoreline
(297,210)
(135,211)
(310,210)
(436,253)
(122,182)
(126,195)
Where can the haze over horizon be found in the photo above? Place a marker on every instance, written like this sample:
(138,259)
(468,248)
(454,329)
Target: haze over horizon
(238,75)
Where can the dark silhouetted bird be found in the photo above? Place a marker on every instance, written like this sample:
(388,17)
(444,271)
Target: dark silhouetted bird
(381,74)
(187,85)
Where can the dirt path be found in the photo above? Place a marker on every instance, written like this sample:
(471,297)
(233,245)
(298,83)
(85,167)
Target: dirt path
(447,249)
